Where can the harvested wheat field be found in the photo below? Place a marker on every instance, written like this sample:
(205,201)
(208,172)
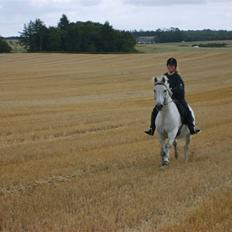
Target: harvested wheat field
(73,155)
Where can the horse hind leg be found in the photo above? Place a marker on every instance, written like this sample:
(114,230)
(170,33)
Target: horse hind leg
(186,147)
(175,149)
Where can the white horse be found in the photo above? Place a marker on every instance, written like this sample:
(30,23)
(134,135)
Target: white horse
(168,121)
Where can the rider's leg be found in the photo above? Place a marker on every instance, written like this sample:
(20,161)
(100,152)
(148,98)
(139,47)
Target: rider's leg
(190,120)
(151,130)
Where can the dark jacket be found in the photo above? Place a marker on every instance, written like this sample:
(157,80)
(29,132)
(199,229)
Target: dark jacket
(177,86)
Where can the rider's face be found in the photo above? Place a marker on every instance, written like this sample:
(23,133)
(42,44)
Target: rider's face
(171,68)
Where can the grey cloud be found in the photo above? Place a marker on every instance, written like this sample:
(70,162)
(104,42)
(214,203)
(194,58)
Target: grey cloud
(121,13)
(12,11)
(163,2)
(22,7)
(15,13)
(90,2)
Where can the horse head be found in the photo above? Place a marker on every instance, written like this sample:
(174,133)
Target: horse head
(162,91)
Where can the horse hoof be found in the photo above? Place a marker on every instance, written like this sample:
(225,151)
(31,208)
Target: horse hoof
(164,164)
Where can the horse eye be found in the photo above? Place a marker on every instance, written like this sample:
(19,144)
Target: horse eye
(165,91)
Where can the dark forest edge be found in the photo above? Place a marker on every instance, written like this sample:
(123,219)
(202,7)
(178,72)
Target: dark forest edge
(177,35)
(78,37)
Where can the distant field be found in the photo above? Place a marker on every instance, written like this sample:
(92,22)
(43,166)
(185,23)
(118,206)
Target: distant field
(181,47)
(73,155)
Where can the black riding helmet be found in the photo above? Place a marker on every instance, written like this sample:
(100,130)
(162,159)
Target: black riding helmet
(172,61)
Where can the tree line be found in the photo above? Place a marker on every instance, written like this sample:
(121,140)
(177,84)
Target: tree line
(177,35)
(78,36)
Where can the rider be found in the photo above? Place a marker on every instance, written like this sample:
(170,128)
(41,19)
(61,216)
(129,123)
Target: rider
(177,86)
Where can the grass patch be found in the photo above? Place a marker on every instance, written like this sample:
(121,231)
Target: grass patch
(214,215)
(210,45)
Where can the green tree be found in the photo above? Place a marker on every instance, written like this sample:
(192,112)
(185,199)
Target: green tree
(75,37)
(4,46)
(54,39)
(64,22)
(72,39)
(63,25)
(34,36)
(169,35)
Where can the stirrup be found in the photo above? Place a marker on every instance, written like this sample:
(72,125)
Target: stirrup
(196,130)
(149,131)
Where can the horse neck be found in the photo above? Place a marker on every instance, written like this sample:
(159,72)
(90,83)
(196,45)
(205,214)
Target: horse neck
(168,107)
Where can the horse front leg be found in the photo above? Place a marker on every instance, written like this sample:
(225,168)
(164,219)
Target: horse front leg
(168,145)
(162,147)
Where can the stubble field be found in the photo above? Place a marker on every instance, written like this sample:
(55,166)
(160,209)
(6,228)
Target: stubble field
(73,155)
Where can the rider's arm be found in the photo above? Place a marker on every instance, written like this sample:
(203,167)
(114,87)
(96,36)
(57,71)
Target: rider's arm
(179,90)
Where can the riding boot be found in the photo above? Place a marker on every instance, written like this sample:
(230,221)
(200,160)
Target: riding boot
(190,122)
(151,130)
(193,130)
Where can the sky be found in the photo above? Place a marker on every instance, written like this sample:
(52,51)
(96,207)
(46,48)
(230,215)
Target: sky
(122,14)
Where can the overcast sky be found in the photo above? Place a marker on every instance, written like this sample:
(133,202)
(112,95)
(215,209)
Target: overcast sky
(122,14)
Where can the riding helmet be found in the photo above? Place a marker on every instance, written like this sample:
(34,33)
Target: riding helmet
(172,61)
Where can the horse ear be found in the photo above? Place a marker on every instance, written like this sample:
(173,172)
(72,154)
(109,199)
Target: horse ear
(155,79)
(163,80)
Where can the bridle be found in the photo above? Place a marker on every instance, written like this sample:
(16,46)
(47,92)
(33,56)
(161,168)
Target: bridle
(169,91)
